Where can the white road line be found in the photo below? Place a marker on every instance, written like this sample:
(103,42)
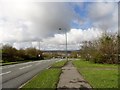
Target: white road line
(25,67)
(7,67)
(3,67)
(11,66)
(25,63)
(5,73)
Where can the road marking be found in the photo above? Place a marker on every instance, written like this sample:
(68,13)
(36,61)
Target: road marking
(11,66)
(25,67)
(7,67)
(25,63)
(3,67)
(5,73)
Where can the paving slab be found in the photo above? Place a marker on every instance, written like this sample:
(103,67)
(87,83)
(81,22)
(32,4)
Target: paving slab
(72,79)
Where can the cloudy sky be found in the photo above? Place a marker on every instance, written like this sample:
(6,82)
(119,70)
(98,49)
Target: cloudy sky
(25,22)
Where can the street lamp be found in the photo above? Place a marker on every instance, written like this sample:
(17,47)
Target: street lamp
(66,43)
(39,49)
(39,44)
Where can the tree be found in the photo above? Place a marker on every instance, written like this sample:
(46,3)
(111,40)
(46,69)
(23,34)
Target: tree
(103,50)
(9,53)
(74,54)
(33,53)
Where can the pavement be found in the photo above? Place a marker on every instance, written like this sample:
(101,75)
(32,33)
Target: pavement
(72,79)
(13,76)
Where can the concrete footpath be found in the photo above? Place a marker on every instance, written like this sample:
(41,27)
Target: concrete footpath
(72,79)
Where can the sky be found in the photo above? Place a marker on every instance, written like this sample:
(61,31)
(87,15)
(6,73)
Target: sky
(25,23)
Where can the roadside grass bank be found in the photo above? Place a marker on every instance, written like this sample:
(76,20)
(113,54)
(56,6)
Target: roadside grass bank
(9,63)
(48,78)
(98,75)
(17,62)
(59,64)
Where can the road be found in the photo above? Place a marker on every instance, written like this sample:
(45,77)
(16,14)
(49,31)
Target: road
(13,76)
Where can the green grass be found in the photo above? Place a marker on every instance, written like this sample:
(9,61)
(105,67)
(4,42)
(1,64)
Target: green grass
(98,75)
(9,63)
(83,64)
(46,79)
(17,62)
(59,64)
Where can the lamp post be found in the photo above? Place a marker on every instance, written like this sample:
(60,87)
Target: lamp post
(66,43)
(39,44)
(39,49)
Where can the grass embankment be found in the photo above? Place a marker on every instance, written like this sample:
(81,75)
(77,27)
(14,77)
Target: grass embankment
(59,64)
(47,78)
(11,63)
(98,75)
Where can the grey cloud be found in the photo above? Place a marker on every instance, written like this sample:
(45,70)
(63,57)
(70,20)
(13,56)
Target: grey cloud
(34,21)
(55,15)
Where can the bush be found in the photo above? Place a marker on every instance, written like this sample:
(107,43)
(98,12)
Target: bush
(104,50)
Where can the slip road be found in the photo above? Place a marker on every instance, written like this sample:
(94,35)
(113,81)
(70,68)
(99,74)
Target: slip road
(13,76)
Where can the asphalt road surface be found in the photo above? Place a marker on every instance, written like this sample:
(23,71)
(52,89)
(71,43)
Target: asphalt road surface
(13,76)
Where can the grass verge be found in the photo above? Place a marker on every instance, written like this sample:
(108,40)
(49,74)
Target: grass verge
(59,64)
(47,78)
(98,75)
(9,63)
(17,62)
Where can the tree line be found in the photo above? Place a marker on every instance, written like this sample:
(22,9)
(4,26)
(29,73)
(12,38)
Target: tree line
(11,54)
(103,50)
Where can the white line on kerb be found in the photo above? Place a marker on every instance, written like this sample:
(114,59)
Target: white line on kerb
(25,67)
(5,73)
